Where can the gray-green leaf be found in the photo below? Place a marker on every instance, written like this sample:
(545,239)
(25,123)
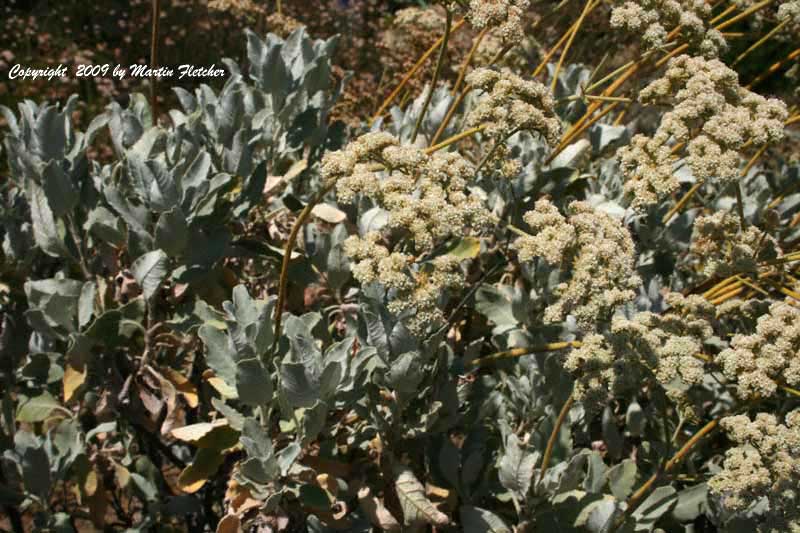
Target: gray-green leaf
(61,193)
(172,232)
(150,270)
(417,508)
(516,467)
(660,502)
(253,383)
(37,409)
(45,230)
(477,520)
(621,479)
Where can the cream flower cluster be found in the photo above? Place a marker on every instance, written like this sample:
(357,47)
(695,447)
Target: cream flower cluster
(426,195)
(755,362)
(440,274)
(664,345)
(428,19)
(282,25)
(648,165)
(652,19)
(595,248)
(597,371)
(418,289)
(505,15)
(783,11)
(374,262)
(790,11)
(512,104)
(553,234)
(239,7)
(725,250)
(428,201)
(764,464)
(671,340)
(712,114)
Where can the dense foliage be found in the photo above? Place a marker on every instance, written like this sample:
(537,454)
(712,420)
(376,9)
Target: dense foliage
(565,301)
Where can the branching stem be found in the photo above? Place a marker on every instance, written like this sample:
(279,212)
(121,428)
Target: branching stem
(636,499)
(520,352)
(551,442)
(586,9)
(156,14)
(410,74)
(437,71)
(287,257)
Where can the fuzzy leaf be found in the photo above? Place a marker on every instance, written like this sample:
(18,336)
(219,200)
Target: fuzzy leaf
(150,270)
(611,434)
(38,408)
(477,520)
(300,388)
(516,467)
(692,502)
(45,229)
(417,508)
(253,383)
(172,232)
(660,502)
(86,303)
(36,471)
(219,353)
(495,305)
(621,479)
(61,193)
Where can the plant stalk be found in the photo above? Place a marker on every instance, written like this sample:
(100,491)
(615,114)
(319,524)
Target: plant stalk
(437,71)
(454,139)
(761,41)
(551,442)
(740,205)
(410,74)
(588,7)
(462,73)
(156,14)
(519,352)
(636,499)
(287,257)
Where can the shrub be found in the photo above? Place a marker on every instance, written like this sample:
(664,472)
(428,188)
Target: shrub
(457,314)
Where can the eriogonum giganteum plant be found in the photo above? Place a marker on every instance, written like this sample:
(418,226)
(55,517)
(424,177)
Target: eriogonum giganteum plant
(553,287)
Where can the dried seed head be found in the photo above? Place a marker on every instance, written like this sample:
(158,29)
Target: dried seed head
(238,7)
(428,19)
(282,25)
